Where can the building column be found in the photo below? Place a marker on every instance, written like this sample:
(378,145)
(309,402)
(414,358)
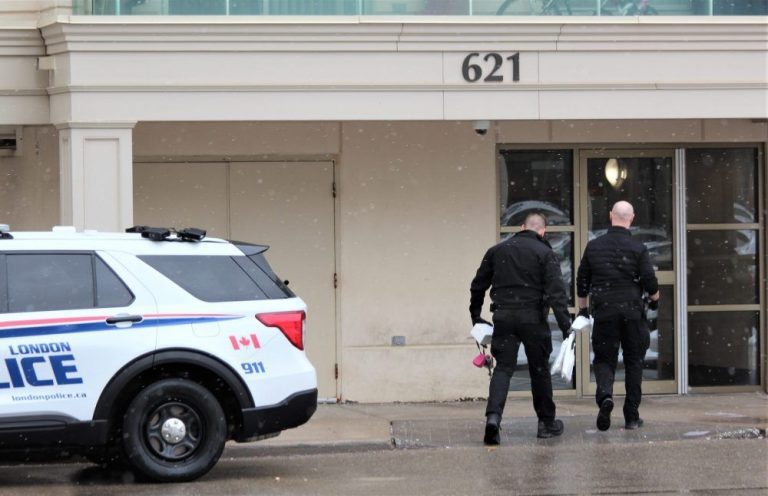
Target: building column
(96,175)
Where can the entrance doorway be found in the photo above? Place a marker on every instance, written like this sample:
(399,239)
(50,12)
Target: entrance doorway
(288,206)
(646,179)
(697,209)
(575,189)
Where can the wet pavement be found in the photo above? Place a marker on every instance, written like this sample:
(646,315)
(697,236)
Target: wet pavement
(579,430)
(706,468)
(697,444)
(460,423)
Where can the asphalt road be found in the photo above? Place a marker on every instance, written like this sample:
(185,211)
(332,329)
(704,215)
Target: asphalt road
(708,467)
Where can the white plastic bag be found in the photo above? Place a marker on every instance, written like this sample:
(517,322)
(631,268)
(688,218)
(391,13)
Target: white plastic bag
(482,333)
(565,359)
(570,357)
(557,366)
(583,323)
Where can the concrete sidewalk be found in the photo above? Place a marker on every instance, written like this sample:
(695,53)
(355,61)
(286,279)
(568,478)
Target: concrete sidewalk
(378,426)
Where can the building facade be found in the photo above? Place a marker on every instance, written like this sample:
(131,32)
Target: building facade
(380,147)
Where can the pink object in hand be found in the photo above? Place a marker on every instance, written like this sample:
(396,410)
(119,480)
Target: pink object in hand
(479,360)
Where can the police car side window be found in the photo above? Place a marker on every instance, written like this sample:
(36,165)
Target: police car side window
(110,290)
(3,286)
(208,278)
(50,281)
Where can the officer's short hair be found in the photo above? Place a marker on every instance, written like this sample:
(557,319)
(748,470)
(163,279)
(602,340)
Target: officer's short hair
(535,220)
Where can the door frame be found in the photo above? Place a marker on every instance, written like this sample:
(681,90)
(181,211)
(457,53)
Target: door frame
(671,278)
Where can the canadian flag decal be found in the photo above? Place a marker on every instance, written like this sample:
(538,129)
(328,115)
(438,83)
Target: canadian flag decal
(244,341)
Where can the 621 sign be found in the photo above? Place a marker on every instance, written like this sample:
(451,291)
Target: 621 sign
(473,72)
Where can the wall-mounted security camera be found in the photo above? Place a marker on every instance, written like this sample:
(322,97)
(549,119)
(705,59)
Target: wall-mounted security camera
(481,127)
(10,141)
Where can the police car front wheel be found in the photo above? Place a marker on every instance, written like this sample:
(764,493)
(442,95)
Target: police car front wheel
(174,430)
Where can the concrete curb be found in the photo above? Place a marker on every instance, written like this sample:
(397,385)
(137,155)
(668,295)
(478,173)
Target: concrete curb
(254,450)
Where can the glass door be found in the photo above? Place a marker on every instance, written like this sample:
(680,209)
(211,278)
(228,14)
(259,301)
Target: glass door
(724,268)
(645,178)
(540,180)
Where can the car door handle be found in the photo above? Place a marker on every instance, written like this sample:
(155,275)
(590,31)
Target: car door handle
(124,318)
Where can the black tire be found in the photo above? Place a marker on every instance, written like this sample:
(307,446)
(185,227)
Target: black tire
(174,430)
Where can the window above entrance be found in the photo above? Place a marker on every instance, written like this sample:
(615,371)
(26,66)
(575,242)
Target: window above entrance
(422,7)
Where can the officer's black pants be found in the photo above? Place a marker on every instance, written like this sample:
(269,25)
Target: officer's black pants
(508,333)
(620,325)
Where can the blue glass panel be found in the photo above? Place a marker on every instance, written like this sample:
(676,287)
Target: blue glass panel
(423,7)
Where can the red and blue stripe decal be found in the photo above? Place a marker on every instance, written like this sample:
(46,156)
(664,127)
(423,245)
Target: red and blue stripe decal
(71,325)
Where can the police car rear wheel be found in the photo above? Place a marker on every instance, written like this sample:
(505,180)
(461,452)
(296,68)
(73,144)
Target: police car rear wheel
(174,430)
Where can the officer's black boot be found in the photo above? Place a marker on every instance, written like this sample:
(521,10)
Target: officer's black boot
(550,429)
(604,415)
(633,424)
(492,427)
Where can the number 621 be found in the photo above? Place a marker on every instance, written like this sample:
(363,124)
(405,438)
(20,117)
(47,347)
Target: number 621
(472,72)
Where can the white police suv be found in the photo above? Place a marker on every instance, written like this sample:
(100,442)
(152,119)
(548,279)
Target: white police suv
(151,347)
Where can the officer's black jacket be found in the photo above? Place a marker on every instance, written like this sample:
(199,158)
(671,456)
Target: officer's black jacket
(615,268)
(524,274)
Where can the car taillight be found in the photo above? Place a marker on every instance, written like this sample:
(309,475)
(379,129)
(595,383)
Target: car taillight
(290,323)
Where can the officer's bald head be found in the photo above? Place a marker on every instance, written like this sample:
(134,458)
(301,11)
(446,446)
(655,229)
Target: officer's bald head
(535,222)
(622,214)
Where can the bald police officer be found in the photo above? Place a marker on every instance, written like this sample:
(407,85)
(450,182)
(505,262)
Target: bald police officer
(616,271)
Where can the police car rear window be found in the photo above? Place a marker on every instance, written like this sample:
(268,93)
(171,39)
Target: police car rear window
(257,267)
(209,277)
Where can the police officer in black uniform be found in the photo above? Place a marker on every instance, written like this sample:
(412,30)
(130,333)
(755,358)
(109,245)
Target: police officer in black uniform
(616,270)
(525,280)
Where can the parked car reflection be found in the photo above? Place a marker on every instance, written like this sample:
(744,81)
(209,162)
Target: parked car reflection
(656,239)
(746,242)
(514,215)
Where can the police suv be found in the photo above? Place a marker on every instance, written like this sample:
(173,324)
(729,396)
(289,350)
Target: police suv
(149,348)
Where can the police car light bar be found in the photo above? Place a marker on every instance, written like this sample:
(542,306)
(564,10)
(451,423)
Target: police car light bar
(164,233)
(155,233)
(191,234)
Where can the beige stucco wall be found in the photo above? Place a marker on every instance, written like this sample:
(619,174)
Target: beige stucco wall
(350,68)
(23,98)
(417,213)
(29,182)
(31,12)
(159,141)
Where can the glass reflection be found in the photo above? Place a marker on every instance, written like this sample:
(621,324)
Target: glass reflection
(721,185)
(645,182)
(723,348)
(722,267)
(562,245)
(659,361)
(423,7)
(536,181)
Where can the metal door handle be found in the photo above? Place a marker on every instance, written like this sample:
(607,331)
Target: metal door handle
(117,319)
